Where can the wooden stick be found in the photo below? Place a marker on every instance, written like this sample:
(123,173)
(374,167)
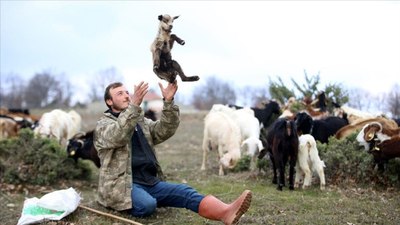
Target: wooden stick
(110,215)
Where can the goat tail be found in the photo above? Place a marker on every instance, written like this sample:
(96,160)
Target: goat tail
(323,164)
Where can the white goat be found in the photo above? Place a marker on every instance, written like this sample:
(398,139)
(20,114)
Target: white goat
(222,133)
(308,162)
(249,129)
(353,115)
(59,125)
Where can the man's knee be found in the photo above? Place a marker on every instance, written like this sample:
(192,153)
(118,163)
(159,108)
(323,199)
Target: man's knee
(144,208)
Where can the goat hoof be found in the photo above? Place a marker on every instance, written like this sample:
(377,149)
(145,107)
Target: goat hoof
(279,188)
(192,78)
(291,188)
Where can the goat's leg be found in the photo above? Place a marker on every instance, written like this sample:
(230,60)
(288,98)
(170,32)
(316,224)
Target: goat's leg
(253,163)
(291,174)
(321,175)
(156,59)
(178,69)
(279,163)
(302,164)
(205,152)
(275,177)
(281,180)
(220,155)
(177,39)
(298,176)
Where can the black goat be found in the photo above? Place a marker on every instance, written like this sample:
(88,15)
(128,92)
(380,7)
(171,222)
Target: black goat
(267,115)
(81,146)
(322,129)
(282,145)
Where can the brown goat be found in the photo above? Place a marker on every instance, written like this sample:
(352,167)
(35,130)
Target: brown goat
(382,132)
(8,128)
(381,141)
(351,128)
(385,150)
(163,65)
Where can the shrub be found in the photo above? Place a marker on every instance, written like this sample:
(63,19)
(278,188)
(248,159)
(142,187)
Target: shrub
(243,164)
(29,160)
(346,162)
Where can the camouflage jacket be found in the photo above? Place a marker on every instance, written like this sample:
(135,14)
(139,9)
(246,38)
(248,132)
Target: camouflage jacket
(112,139)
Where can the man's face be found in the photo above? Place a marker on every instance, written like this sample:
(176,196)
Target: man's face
(120,99)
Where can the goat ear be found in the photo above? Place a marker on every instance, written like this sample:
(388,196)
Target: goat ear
(160,17)
(370,135)
(175,17)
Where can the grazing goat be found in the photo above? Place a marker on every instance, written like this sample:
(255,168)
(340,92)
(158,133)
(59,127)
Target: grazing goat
(287,109)
(250,132)
(282,146)
(21,116)
(163,65)
(81,146)
(59,125)
(318,112)
(321,130)
(382,143)
(308,161)
(356,127)
(385,151)
(266,116)
(249,129)
(223,134)
(377,131)
(353,115)
(8,127)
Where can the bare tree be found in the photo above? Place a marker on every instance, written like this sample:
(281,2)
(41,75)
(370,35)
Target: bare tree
(11,91)
(252,96)
(102,79)
(393,101)
(212,92)
(44,90)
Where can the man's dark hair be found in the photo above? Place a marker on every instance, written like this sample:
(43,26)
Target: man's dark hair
(107,94)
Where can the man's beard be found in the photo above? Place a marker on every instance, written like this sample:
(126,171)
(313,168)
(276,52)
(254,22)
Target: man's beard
(118,109)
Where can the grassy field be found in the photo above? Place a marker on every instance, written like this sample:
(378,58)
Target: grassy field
(181,158)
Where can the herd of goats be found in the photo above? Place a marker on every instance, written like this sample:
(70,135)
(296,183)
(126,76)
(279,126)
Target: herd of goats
(273,131)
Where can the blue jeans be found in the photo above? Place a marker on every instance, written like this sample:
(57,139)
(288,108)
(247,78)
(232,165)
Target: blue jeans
(145,199)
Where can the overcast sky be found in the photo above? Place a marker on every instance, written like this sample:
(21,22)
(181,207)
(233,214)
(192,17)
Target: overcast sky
(354,43)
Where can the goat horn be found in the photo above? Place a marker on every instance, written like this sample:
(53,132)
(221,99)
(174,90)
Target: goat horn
(80,142)
(378,124)
(314,102)
(79,134)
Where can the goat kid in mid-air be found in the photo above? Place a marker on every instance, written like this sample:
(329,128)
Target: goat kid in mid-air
(163,65)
